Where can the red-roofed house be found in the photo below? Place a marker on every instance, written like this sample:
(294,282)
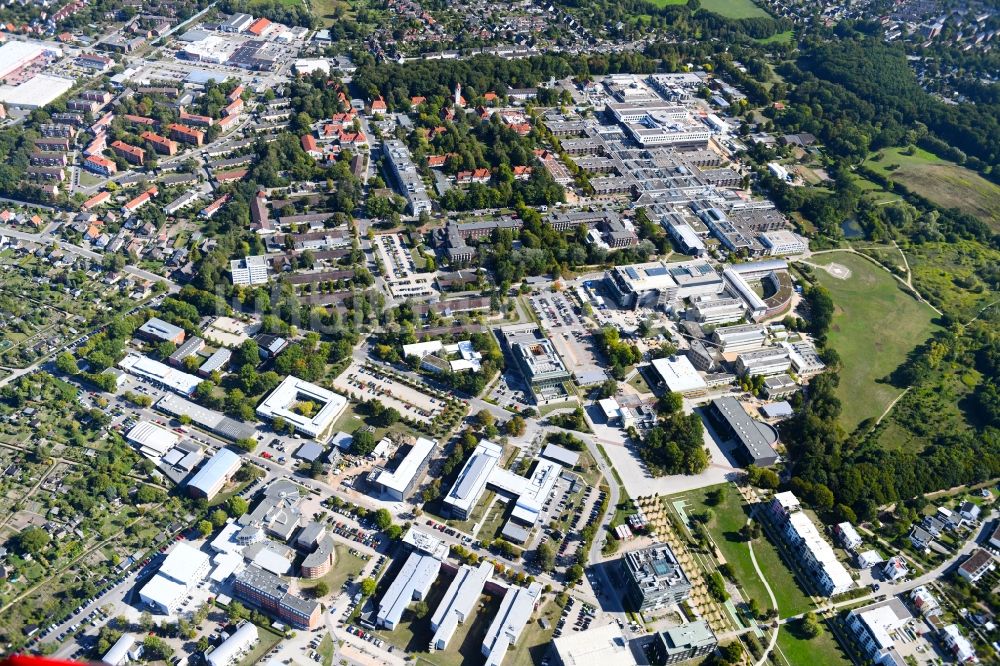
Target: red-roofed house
(259,27)
(186,134)
(478,176)
(378,105)
(195,119)
(237,92)
(234,107)
(160,143)
(101,165)
(130,154)
(522,172)
(235,174)
(417,101)
(140,201)
(309,145)
(436,161)
(96,200)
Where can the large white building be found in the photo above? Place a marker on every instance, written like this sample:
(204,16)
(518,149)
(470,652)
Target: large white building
(483,470)
(459,602)
(184,567)
(249,270)
(289,402)
(399,483)
(214,474)
(411,584)
(234,647)
(515,610)
(36,92)
(680,375)
(151,439)
(411,184)
(659,284)
(874,628)
(603,646)
(816,555)
(160,374)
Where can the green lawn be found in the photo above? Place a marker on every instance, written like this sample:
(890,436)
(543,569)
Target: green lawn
(666,3)
(778,38)
(268,639)
(875,325)
(943,182)
(345,566)
(728,517)
(824,650)
(735,9)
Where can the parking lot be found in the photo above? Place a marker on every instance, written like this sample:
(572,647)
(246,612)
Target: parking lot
(570,334)
(367,383)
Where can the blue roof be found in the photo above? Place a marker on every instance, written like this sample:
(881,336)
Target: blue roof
(201,76)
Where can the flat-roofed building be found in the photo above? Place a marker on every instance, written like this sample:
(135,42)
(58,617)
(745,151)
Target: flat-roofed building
(159,374)
(158,330)
(653,578)
(482,471)
(711,310)
(768,361)
(815,555)
(399,483)
(412,583)
(658,284)
(270,592)
(515,610)
(411,183)
(680,375)
(755,439)
(688,641)
(740,338)
(874,628)
(283,402)
(603,646)
(214,474)
(212,421)
(184,567)
(248,271)
(151,439)
(536,359)
(459,602)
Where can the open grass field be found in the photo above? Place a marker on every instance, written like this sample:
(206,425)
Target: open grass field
(728,517)
(945,183)
(345,566)
(778,38)
(824,650)
(875,325)
(734,9)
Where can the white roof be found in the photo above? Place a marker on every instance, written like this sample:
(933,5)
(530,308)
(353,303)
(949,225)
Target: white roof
(882,620)
(36,92)
(610,408)
(821,550)
(421,349)
(603,646)
(16,54)
(185,564)
(175,380)
(292,390)
(163,592)
(472,479)
(416,576)
(119,651)
(151,436)
(787,500)
(848,532)
(233,646)
(679,374)
(400,479)
(310,65)
(515,610)
(221,465)
(459,602)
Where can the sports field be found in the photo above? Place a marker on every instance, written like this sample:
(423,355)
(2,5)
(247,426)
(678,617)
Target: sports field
(875,325)
(945,183)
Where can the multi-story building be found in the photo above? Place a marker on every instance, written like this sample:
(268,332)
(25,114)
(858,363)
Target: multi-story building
(186,134)
(161,144)
(653,578)
(411,184)
(688,641)
(130,154)
(271,593)
(815,555)
(770,361)
(979,563)
(873,628)
(536,358)
(101,165)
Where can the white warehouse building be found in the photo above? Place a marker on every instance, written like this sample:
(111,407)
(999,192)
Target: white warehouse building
(185,567)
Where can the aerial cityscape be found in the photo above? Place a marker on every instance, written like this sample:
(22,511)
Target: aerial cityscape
(551,333)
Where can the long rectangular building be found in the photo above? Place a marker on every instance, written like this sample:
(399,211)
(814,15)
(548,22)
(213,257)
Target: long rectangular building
(411,584)
(658,283)
(816,555)
(515,610)
(271,593)
(411,184)
(459,602)
(399,483)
